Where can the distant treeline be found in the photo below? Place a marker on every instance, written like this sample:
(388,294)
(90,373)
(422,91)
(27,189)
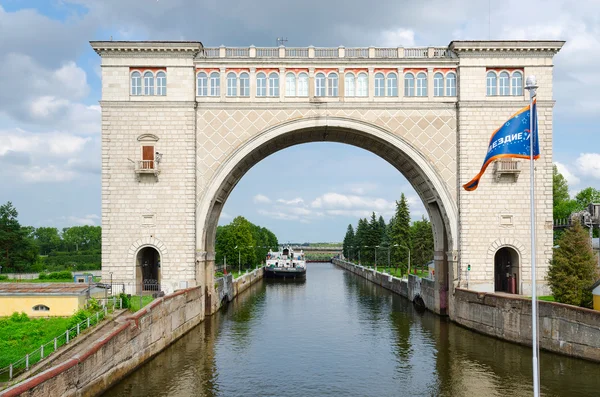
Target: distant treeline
(26,249)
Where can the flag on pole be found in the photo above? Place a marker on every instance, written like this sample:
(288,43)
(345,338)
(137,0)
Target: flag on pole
(510,140)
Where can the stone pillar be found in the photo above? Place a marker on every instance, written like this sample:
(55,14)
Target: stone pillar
(252,83)
(223,80)
(371,79)
(400,82)
(205,274)
(341,84)
(282,84)
(430,83)
(311,83)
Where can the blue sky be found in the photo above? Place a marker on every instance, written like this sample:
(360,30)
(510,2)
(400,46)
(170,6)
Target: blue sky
(50,118)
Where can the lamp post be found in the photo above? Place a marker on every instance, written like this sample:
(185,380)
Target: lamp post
(531,86)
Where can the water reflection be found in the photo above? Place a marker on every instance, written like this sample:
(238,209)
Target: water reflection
(337,334)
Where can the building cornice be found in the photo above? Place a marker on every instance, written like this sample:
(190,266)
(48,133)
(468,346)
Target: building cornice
(524,48)
(148,104)
(147,49)
(504,104)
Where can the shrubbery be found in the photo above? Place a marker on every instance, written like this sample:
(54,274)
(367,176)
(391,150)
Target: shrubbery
(64,275)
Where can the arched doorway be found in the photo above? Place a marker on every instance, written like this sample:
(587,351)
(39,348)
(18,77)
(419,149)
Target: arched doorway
(506,270)
(422,174)
(148,270)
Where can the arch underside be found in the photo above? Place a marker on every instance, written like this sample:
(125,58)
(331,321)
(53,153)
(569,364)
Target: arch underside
(425,187)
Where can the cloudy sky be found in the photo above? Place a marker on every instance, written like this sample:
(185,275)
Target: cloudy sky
(50,87)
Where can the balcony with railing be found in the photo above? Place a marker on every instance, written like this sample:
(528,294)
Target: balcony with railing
(146,167)
(509,167)
(332,52)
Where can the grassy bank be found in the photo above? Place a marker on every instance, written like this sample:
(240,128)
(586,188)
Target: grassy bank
(20,335)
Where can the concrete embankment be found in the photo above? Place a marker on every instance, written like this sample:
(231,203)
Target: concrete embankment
(564,329)
(133,341)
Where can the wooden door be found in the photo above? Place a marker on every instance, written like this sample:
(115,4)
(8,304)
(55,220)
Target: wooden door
(148,157)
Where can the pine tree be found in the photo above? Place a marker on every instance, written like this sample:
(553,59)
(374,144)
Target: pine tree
(348,242)
(422,242)
(361,237)
(401,233)
(382,230)
(573,269)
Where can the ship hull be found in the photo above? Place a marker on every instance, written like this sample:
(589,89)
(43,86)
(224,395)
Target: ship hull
(285,273)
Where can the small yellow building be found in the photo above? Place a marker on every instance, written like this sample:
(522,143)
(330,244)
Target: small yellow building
(45,299)
(596,295)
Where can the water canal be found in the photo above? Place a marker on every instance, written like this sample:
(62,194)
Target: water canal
(336,334)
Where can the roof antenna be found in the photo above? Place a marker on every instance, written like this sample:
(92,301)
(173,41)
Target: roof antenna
(281,41)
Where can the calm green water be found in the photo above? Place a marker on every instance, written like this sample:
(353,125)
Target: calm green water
(339,335)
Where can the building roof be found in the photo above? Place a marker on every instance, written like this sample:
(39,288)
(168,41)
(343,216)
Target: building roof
(597,283)
(43,289)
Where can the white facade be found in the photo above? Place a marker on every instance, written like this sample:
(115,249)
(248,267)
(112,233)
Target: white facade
(212,113)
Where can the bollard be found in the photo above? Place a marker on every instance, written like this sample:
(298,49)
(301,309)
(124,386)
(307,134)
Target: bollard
(120,303)
(88,322)
(67,336)
(10,372)
(54,344)
(105,311)
(78,329)
(42,352)
(27,362)
(97,317)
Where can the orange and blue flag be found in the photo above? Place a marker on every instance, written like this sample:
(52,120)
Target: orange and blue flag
(510,140)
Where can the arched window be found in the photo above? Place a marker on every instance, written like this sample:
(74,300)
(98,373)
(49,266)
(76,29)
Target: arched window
(438,84)
(362,85)
(516,84)
(320,84)
(261,84)
(41,308)
(148,83)
(491,84)
(349,88)
(274,84)
(215,84)
(136,83)
(451,84)
(379,84)
(202,84)
(421,84)
(303,84)
(244,84)
(290,84)
(161,83)
(392,84)
(231,84)
(503,84)
(332,84)
(409,84)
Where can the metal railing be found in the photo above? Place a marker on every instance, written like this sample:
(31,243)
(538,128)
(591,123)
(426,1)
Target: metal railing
(145,165)
(129,287)
(50,347)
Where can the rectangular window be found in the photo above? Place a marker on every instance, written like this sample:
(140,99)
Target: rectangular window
(244,85)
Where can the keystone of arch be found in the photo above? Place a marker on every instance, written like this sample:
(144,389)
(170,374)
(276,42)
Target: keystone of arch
(504,242)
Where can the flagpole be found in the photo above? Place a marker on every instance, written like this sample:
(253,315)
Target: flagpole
(531,86)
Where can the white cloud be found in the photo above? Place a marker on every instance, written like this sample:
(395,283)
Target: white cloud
(295,201)
(569,176)
(344,201)
(261,199)
(588,164)
(225,216)
(397,38)
(54,143)
(91,219)
(279,215)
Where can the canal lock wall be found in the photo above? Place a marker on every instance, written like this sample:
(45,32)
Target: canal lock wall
(563,329)
(138,338)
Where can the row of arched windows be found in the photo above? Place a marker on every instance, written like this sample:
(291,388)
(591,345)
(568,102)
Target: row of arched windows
(326,84)
(504,83)
(148,83)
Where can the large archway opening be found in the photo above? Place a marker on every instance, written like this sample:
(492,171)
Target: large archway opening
(506,270)
(420,171)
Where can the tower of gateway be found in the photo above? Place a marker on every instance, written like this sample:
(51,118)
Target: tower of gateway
(182,124)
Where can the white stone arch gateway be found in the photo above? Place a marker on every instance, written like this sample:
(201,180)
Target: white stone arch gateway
(419,171)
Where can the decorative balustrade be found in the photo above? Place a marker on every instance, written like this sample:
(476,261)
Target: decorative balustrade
(507,167)
(311,52)
(296,52)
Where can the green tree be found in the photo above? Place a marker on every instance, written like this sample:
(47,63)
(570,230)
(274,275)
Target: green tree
(562,205)
(47,239)
(348,241)
(17,250)
(400,233)
(422,242)
(360,238)
(587,196)
(573,268)
(373,238)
